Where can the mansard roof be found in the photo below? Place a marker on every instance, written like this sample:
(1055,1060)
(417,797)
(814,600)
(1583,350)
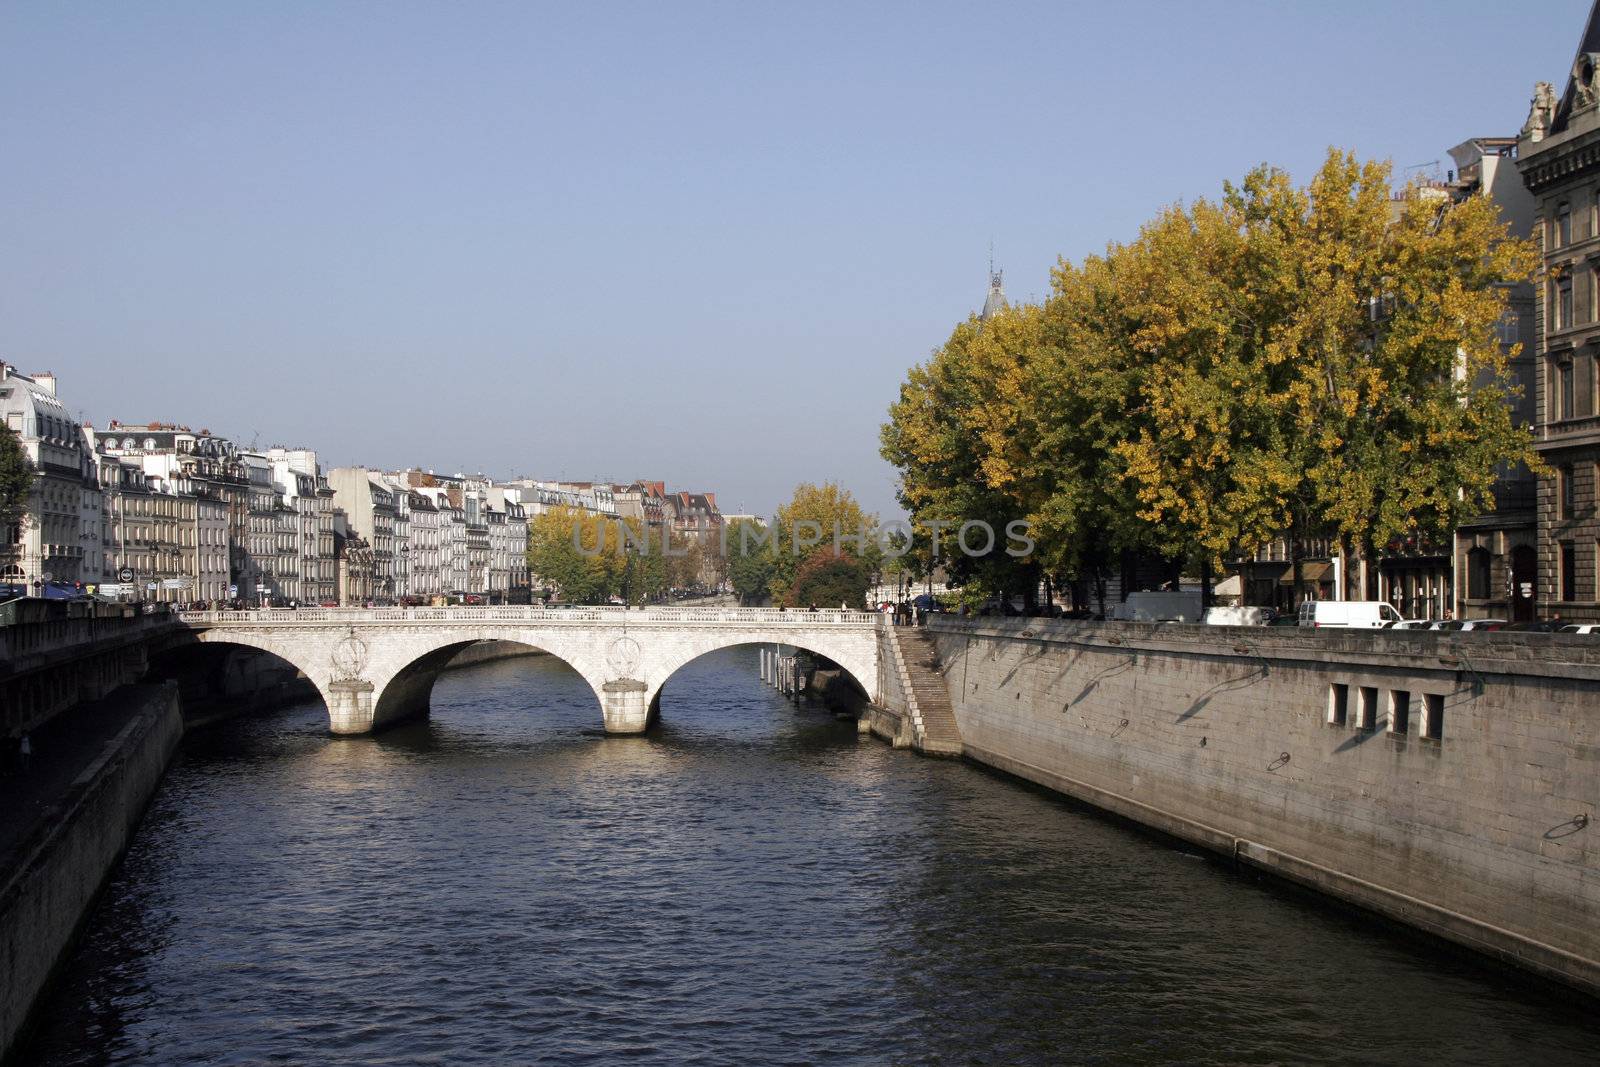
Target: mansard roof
(1588,45)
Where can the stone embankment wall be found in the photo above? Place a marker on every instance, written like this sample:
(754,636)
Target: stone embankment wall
(49,878)
(1448,781)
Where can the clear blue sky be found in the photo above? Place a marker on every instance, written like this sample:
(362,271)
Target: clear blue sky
(698,242)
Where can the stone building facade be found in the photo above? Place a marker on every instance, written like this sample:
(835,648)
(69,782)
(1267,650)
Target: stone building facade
(1559,157)
(1496,554)
(47,545)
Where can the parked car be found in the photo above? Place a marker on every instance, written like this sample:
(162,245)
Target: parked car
(1412,624)
(1581,628)
(1482,624)
(1354,614)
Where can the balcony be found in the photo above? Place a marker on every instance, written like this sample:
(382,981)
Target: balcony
(1563,432)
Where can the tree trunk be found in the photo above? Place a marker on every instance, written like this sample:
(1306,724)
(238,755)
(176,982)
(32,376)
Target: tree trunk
(1347,579)
(1296,563)
(1205,583)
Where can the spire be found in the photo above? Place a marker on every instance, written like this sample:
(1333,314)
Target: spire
(997,295)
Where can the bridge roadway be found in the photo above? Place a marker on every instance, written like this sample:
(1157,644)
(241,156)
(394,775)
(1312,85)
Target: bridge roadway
(376,666)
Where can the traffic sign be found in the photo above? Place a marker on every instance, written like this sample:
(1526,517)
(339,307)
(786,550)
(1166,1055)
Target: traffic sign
(125,574)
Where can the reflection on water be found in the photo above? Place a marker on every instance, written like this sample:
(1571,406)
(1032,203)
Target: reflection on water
(749,884)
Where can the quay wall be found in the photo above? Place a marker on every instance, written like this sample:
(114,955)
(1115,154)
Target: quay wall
(49,879)
(1230,738)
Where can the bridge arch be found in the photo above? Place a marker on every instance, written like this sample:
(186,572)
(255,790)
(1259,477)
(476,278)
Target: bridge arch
(407,692)
(844,649)
(205,671)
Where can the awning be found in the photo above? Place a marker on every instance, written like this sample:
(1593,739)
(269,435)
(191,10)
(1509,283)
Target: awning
(1309,572)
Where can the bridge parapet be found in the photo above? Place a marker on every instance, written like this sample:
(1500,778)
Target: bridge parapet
(578,616)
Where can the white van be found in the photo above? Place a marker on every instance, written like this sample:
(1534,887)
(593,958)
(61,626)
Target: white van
(1359,614)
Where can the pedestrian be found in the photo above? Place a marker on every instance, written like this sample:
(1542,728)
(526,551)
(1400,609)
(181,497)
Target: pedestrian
(24,752)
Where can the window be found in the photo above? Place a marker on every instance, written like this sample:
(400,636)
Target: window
(1563,227)
(1509,328)
(1564,302)
(1399,711)
(1478,560)
(1567,492)
(1367,712)
(1563,404)
(1569,571)
(1433,716)
(1338,703)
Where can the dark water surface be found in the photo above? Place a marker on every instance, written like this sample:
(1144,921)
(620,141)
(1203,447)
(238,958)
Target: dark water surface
(751,884)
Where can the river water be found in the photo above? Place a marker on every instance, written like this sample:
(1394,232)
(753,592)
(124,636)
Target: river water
(750,884)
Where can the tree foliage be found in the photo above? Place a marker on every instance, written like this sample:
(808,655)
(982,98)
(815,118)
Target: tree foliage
(1320,359)
(16,477)
(825,579)
(588,559)
(819,518)
(749,560)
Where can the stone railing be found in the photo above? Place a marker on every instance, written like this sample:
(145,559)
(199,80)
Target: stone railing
(543,615)
(49,630)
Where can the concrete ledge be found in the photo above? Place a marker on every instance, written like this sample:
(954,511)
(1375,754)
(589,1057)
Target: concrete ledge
(888,725)
(1566,656)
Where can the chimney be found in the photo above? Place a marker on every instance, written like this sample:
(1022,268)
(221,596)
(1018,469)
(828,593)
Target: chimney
(46,381)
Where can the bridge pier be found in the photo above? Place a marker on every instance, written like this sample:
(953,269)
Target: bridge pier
(625,708)
(350,706)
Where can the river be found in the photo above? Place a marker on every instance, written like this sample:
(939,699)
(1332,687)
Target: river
(751,883)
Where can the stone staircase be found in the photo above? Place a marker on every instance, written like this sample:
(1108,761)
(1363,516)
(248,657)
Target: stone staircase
(933,720)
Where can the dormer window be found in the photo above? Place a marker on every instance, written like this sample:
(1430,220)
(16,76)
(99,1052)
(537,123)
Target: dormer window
(150,443)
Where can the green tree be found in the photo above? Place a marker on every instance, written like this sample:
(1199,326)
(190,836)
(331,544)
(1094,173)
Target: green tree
(16,477)
(949,433)
(825,579)
(749,560)
(589,559)
(1317,361)
(824,518)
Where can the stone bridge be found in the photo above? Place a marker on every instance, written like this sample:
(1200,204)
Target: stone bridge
(377,666)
